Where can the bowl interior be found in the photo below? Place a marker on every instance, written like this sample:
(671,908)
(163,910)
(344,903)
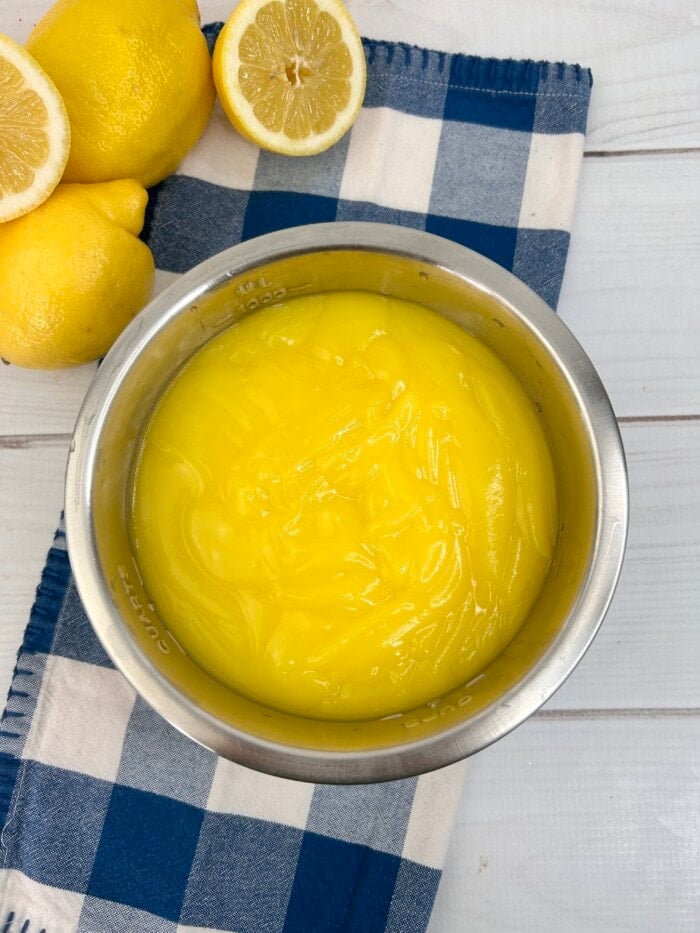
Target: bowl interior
(145,361)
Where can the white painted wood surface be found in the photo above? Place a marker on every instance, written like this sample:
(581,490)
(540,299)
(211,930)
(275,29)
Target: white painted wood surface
(643,53)
(584,825)
(587,818)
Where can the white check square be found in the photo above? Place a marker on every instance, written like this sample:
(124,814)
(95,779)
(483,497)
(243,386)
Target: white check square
(428,831)
(248,793)
(36,906)
(551,177)
(163,280)
(81,718)
(391,159)
(222,156)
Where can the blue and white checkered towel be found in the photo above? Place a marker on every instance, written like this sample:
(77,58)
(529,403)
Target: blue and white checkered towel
(113,821)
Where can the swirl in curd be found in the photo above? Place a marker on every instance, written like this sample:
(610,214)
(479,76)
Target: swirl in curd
(344,506)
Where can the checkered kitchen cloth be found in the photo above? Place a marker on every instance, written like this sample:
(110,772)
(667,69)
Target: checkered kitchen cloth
(113,821)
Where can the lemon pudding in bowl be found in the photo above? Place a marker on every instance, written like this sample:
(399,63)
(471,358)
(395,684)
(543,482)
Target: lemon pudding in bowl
(343,506)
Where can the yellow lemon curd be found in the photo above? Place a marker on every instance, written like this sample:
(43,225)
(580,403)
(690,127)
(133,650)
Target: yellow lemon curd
(344,506)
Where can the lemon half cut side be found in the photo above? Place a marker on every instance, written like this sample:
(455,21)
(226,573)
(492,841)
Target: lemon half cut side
(34,132)
(290,74)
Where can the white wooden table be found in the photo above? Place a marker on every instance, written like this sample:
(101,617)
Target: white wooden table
(587,818)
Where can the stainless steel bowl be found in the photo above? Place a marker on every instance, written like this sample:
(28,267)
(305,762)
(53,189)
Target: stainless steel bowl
(523,331)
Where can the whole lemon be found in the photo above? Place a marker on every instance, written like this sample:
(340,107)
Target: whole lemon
(135,76)
(74,273)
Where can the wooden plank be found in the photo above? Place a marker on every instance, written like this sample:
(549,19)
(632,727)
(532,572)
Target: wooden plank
(643,55)
(646,654)
(41,402)
(578,826)
(648,649)
(31,498)
(632,280)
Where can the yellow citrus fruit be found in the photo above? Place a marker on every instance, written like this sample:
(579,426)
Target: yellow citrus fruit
(135,76)
(74,273)
(34,132)
(290,74)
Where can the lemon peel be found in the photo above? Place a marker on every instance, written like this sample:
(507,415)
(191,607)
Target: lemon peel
(74,274)
(136,80)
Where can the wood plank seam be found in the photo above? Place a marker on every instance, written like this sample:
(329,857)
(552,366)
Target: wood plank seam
(631,712)
(660,150)
(24,441)
(654,419)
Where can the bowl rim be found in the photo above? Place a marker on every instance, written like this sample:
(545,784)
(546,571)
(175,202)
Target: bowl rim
(495,720)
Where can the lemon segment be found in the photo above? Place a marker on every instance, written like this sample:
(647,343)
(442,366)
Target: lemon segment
(34,132)
(290,74)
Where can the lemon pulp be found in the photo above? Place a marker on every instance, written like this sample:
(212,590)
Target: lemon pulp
(305,97)
(344,506)
(34,133)
(26,142)
(290,74)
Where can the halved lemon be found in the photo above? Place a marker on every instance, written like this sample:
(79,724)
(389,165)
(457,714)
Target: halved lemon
(34,132)
(290,74)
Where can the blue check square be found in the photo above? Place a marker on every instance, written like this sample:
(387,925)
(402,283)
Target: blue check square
(146,851)
(55,824)
(561,105)
(480,174)
(498,243)
(319,174)
(416,887)
(406,78)
(493,93)
(75,637)
(242,874)
(374,213)
(391,803)
(54,579)
(185,225)
(550,247)
(158,758)
(340,886)
(276,210)
(98,915)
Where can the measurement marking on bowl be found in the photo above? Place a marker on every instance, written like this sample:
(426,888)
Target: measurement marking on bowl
(438,713)
(251,290)
(250,285)
(149,623)
(261,301)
